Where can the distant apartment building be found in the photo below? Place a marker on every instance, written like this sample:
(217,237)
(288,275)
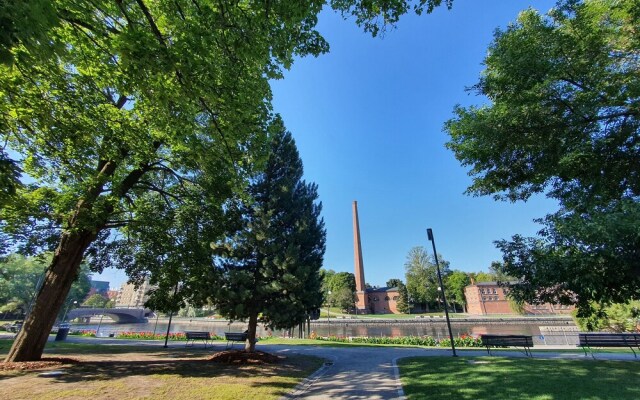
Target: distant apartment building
(113,294)
(489,298)
(131,297)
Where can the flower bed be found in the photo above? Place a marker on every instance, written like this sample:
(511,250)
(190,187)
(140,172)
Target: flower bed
(461,341)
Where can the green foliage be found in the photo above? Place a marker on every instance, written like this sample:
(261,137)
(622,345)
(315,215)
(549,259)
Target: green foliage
(339,288)
(24,22)
(563,119)
(375,15)
(579,258)
(21,276)
(455,283)
(271,265)
(394,282)
(517,305)
(461,341)
(617,317)
(402,305)
(422,277)
(344,298)
(96,301)
(342,280)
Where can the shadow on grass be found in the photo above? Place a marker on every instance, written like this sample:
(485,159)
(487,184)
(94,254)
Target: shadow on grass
(512,378)
(194,368)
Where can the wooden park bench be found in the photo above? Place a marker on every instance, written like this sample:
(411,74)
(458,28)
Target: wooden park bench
(192,336)
(231,337)
(524,341)
(589,340)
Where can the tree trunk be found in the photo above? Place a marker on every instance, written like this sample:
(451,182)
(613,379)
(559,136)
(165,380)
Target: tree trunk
(60,274)
(250,344)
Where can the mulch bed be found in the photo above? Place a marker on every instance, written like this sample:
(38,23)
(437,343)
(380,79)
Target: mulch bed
(41,364)
(242,357)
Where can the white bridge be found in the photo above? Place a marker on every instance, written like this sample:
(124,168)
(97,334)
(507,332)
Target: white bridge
(119,315)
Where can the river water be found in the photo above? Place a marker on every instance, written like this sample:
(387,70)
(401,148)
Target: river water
(543,330)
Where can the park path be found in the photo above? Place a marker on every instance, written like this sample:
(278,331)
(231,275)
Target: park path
(369,372)
(351,372)
(372,373)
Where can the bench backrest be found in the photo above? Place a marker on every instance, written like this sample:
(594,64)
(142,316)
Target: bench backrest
(237,336)
(507,340)
(197,335)
(609,339)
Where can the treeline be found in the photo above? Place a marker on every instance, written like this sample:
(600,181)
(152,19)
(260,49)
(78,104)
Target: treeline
(418,292)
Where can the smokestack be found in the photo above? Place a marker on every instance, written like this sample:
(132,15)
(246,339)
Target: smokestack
(357,251)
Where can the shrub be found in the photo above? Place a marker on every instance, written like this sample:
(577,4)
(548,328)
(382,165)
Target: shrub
(462,341)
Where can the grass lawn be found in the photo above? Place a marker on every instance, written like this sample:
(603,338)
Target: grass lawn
(518,378)
(137,372)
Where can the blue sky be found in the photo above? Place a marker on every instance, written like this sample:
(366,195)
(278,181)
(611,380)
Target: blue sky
(367,118)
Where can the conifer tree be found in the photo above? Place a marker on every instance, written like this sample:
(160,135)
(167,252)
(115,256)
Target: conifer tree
(271,267)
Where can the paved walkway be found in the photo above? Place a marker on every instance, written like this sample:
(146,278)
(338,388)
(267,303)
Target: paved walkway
(367,372)
(371,372)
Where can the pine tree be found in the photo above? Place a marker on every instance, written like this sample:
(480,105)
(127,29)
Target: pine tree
(271,267)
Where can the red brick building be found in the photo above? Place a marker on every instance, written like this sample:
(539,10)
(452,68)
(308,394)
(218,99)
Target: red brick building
(488,298)
(375,300)
(383,300)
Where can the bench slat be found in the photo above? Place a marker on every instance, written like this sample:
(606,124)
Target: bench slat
(588,340)
(508,340)
(192,336)
(235,337)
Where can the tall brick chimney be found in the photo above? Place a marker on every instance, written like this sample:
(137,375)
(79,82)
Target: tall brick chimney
(359,265)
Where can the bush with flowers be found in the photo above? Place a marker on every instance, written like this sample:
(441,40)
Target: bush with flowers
(179,336)
(461,341)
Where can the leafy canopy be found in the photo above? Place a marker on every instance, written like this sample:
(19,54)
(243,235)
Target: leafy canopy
(563,118)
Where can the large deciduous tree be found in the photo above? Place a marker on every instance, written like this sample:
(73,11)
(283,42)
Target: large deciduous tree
(101,101)
(271,267)
(455,284)
(563,118)
(137,94)
(422,278)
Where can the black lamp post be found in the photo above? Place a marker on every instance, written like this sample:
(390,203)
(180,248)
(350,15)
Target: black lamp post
(441,289)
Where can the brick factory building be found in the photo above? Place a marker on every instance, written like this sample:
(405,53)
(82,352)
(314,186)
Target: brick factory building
(370,300)
(489,298)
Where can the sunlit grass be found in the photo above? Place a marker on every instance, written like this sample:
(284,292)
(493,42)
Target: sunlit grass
(518,378)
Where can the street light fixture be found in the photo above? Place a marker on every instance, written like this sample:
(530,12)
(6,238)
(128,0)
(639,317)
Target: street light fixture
(64,317)
(441,290)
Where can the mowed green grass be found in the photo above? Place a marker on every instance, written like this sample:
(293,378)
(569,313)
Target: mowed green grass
(518,378)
